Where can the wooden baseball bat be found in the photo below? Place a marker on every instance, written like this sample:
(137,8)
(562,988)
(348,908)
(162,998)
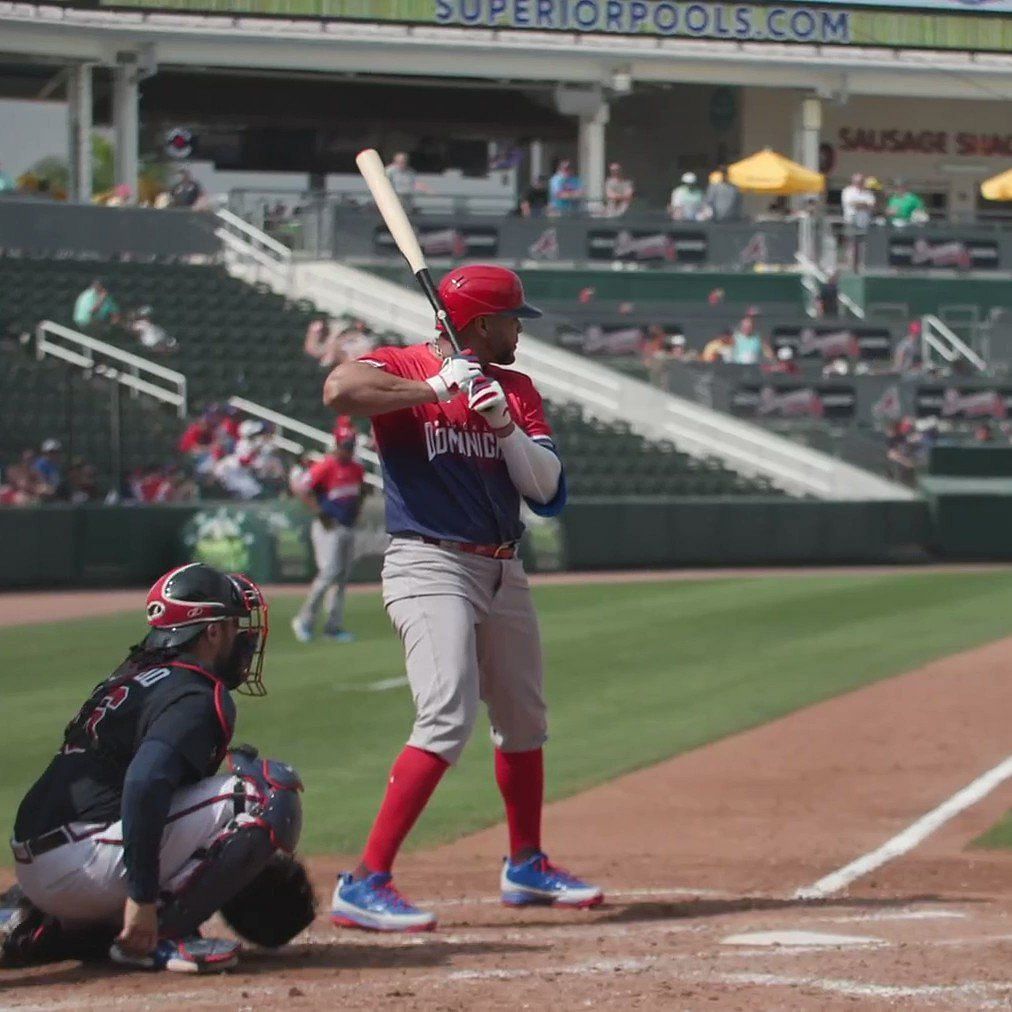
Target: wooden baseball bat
(371,166)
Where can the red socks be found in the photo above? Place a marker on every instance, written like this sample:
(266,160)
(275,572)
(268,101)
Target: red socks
(521,780)
(414,776)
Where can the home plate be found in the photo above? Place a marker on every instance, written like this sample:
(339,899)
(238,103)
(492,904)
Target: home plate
(806,938)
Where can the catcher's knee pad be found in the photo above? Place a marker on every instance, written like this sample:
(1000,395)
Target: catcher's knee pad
(268,818)
(271,790)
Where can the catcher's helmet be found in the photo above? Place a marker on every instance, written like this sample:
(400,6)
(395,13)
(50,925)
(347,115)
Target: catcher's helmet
(186,600)
(483,290)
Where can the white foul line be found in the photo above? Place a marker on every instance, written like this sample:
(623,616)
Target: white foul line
(911,836)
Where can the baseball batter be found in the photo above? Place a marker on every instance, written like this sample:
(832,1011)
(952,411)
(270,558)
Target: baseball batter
(461,440)
(131,838)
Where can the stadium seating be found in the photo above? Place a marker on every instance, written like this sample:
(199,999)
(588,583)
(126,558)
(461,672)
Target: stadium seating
(46,399)
(237,339)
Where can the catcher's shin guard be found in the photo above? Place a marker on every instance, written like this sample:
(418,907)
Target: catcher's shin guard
(269,819)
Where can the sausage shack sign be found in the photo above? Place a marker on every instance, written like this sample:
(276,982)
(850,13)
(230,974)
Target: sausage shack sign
(967,25)
(925,142)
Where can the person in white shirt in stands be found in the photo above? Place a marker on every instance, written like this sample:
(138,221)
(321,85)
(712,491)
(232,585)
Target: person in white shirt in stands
(686,199)
(404,179)
(618,191)
(857,202)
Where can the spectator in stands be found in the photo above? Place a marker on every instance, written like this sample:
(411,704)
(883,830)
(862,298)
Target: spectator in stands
(904,207)
(95,307)
(82,482)
(355,341)
(686,199)
(983,433)
(858,204)
(907,354)
(900,451)
(785,363)
(187,192)
(619,191)
(723,198)
(565,189)
(654,354)
(197,436)
(7,185)
(49,468)
(317,337)
(720,349)
(828,300)
(749,346)
(404,179)
(21,485)
(151,337)
(535,200)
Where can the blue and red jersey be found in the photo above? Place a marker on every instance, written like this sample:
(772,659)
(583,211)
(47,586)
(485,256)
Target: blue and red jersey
(443,472)
(337,486)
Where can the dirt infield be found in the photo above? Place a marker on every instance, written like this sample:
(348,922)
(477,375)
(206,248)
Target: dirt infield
(36,606)
(701,857)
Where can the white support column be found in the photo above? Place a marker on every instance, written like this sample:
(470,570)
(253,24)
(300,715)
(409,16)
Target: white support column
(592,154)
(79,132)
(537,160)
(125,119)
(809,132)
(807,135)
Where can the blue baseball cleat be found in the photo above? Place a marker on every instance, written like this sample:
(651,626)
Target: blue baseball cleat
(340,636)
(374,904)
(538,881)
(183,955)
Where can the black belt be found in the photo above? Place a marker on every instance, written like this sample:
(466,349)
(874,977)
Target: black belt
(25,851)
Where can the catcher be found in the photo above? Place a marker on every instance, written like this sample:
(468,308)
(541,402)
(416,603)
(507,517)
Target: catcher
(131,838)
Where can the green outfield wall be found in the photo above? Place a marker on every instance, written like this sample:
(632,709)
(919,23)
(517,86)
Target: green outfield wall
(99,546)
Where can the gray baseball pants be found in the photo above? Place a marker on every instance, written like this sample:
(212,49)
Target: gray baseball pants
(470,634)
(334,550)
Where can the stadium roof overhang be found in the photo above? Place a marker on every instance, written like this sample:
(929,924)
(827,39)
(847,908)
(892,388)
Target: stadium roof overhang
(186,40)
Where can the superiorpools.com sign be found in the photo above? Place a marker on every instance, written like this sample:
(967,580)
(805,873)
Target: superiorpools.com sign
(743,22)
(968,25)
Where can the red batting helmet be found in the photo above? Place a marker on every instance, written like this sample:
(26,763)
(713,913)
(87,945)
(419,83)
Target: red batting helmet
(483,290)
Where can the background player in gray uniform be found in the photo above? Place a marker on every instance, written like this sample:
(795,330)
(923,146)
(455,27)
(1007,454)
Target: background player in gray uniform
(461,440)
(130,833)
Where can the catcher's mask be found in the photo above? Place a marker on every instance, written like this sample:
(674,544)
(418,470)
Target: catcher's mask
(186,600)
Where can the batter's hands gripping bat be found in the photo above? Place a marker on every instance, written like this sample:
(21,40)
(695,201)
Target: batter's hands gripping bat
(371,166)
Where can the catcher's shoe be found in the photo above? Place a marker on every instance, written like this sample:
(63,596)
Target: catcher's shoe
(374,904)
(27,935)
(538,881)
(183,955)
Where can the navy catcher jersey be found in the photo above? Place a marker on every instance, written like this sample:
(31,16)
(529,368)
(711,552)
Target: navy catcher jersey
(174,701)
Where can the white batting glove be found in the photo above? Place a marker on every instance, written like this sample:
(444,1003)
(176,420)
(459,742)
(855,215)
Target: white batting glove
(486,396)
(456,373)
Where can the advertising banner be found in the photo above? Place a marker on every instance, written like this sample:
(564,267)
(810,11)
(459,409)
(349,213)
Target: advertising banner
(925,24)
(979,248)
(645,240)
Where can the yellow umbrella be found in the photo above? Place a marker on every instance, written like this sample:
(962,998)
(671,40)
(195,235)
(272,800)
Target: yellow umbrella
(998,187)
(768,172)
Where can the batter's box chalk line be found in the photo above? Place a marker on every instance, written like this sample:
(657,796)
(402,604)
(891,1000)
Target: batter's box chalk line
(912,836)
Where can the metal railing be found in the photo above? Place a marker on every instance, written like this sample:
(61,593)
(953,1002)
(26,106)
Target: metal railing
(324,439)
(937,337)
(97,356)
(253,253)
(812,275)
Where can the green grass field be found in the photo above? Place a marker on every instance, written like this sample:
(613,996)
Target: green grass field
(999,836)
(636,673)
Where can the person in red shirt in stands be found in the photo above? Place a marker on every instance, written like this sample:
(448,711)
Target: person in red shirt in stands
(333,488)
(197,437)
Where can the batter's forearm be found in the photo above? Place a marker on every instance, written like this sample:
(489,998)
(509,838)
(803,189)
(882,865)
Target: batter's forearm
(364,390)
(534,469)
